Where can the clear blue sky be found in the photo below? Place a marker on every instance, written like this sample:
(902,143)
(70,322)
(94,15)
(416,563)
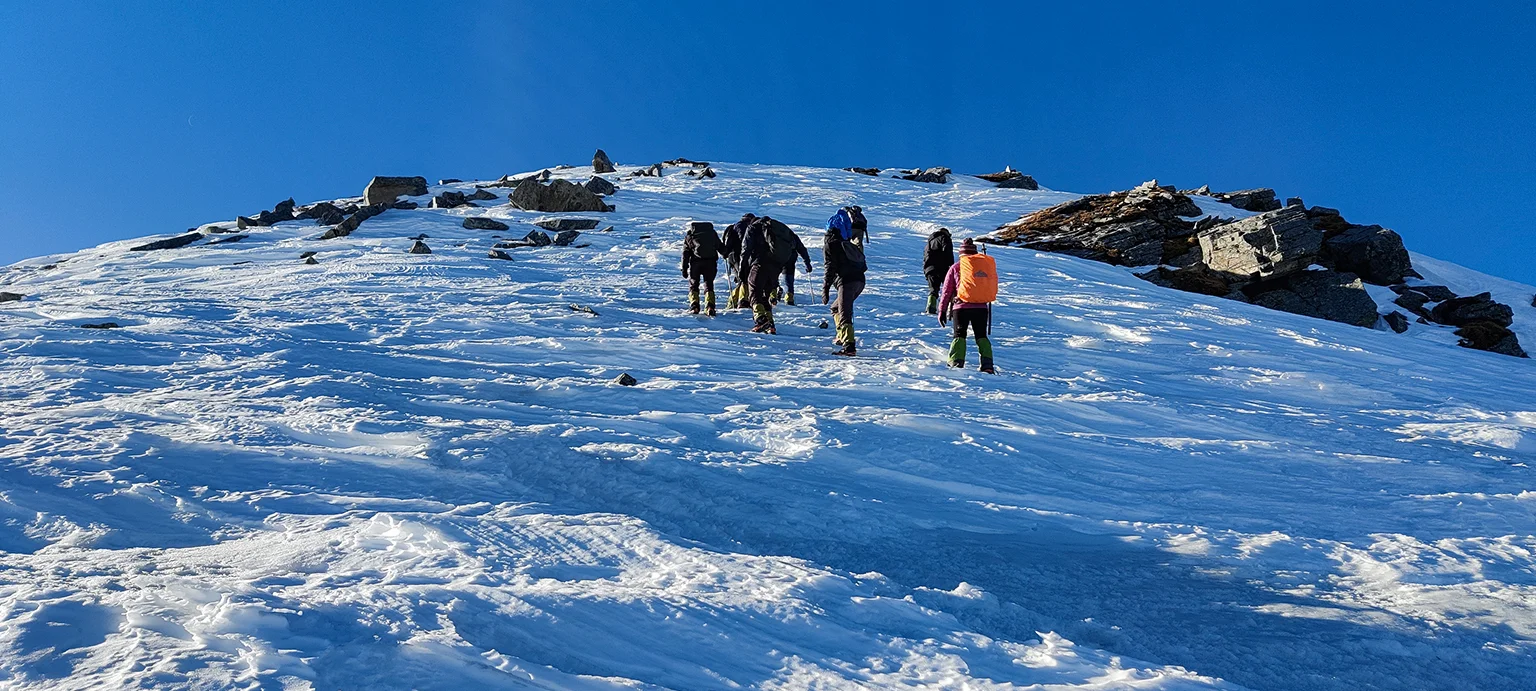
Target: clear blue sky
(126,119)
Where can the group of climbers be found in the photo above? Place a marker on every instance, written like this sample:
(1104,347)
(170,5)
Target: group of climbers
(760,251)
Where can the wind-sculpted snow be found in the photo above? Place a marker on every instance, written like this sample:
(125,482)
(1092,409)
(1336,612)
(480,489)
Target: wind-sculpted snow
(393,471)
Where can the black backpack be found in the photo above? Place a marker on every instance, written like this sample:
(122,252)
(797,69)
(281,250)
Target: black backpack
(781,241)
(705,242)
(854,263)
(941,244)
(857,215)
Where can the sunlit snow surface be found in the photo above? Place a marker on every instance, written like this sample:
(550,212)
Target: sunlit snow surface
(393,471)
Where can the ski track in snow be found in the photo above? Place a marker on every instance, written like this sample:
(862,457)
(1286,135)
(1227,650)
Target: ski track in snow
(411,471)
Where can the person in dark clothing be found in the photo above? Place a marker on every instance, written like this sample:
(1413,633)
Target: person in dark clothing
(789,270)
(860,226)
(938,256)
(759,271)
(843,267)
(731,250)
(701,259)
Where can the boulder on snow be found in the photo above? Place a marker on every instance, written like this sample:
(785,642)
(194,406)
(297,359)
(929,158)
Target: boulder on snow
(559,224)
(449,200)
(1374,253)
(385,190)
(10,297)
(283,211)
(168,243)
(101,325)
(311,260)
(351,223)
(1190,279)
(1490,336)
(559,196)
(1008,178)
(449,181)
(537,238)
(625,380)
(419,247)
(1480,307)
(1330,295)
(601,163)
(481,195)
(1397,320)
(316,211)
(863,171)
(483,223)
(937,174)
(499,254)
(1127,228)
(600,186)
(1412,301)
(565,237)
(1268,245)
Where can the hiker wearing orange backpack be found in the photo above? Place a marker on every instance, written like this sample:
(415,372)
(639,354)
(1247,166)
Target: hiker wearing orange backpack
(970,287)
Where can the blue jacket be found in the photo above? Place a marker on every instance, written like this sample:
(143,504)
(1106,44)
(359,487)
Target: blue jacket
(842,223)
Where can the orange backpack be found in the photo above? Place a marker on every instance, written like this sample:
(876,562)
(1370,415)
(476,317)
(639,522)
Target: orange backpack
(978,278)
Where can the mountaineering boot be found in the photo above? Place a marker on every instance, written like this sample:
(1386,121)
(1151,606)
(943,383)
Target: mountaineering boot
(933,302)
(984,347)
(709,303)
(844,335)
(693,301)
(957,353)
(847,351)
(789,298)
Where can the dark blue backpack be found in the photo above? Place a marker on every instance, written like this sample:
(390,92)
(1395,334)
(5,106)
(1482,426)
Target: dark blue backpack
(842,223)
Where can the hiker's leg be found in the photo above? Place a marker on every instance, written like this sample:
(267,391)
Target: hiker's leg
(847,292)
(693,293)
(709,293)
(957,340)
(983,328)
(789,283)
(934,281)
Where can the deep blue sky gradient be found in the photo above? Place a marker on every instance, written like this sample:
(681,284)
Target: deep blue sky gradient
(125,119)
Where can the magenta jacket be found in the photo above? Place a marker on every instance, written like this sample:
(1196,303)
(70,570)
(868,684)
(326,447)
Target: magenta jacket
(952,286)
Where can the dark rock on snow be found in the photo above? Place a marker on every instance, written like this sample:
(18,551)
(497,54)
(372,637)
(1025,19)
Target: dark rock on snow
(565,237)
(232,238)
(1126,228)
(419,247)
(537,238)
(480,195)
(1009,178)
(1372,252)
(405,205)
(582,309)
(559,224)
(1413,302)
(483,223)
(311,260)
(1260,199)
(1191,279)
(558,196)
(601,163)
(600,186)
(449,181)
(1397,320)
(625,380)
(1330,295)
(1490,336)
(168,243)
(10,297)
(102,325)
(351,223)
(448,200)
(864,171)
(937,175)
(1480,307)
(498,254)
(308,254)
(1429,293)
(384,190)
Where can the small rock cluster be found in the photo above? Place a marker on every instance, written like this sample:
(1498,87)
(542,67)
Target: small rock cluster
(559,196)
(938,175)
(1270,259)
(1008,178)
(863,171)
(1257,200)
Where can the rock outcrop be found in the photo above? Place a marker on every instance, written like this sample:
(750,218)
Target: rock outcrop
(419,247)
(385,190)
(937,175)
(1133,228)
(1259,200)
(1490,336)
(1480,307)
(353,221)
(1375,253)
(1009,178)
(602,164)
(449,200)
(168,243)
(1330,295)
(483,223)
(283,211)
(10,297)
(600,186)
(1263,246)
(863,171)
(558,196)
(563,224)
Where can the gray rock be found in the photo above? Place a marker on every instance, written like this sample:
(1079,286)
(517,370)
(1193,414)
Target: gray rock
(559,196)
(168,243)
(1139,227)
(1295,201)
(449,181)
(483,223)
(537,238)
(1190,279)
(1374,253)
(385,190)
(938,174)
(600,186)
(353,222)
(306,255)
(481,195)
(625,380)
(1260,199)
(311,261)
(1271,244)
(1480,307)
(601,163)
(1022,182)
(405,204)
(10,297)
(583,309)
(419,247)
(559,224)
(231,238)
(1330,295)
(1397,320)
(1413,302)
(101,325)
(863,171)
(498,254)
(565,237)
(1490,336)
(448,200)
(330,217)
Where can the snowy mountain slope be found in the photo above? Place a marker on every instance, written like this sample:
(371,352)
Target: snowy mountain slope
(411,471)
